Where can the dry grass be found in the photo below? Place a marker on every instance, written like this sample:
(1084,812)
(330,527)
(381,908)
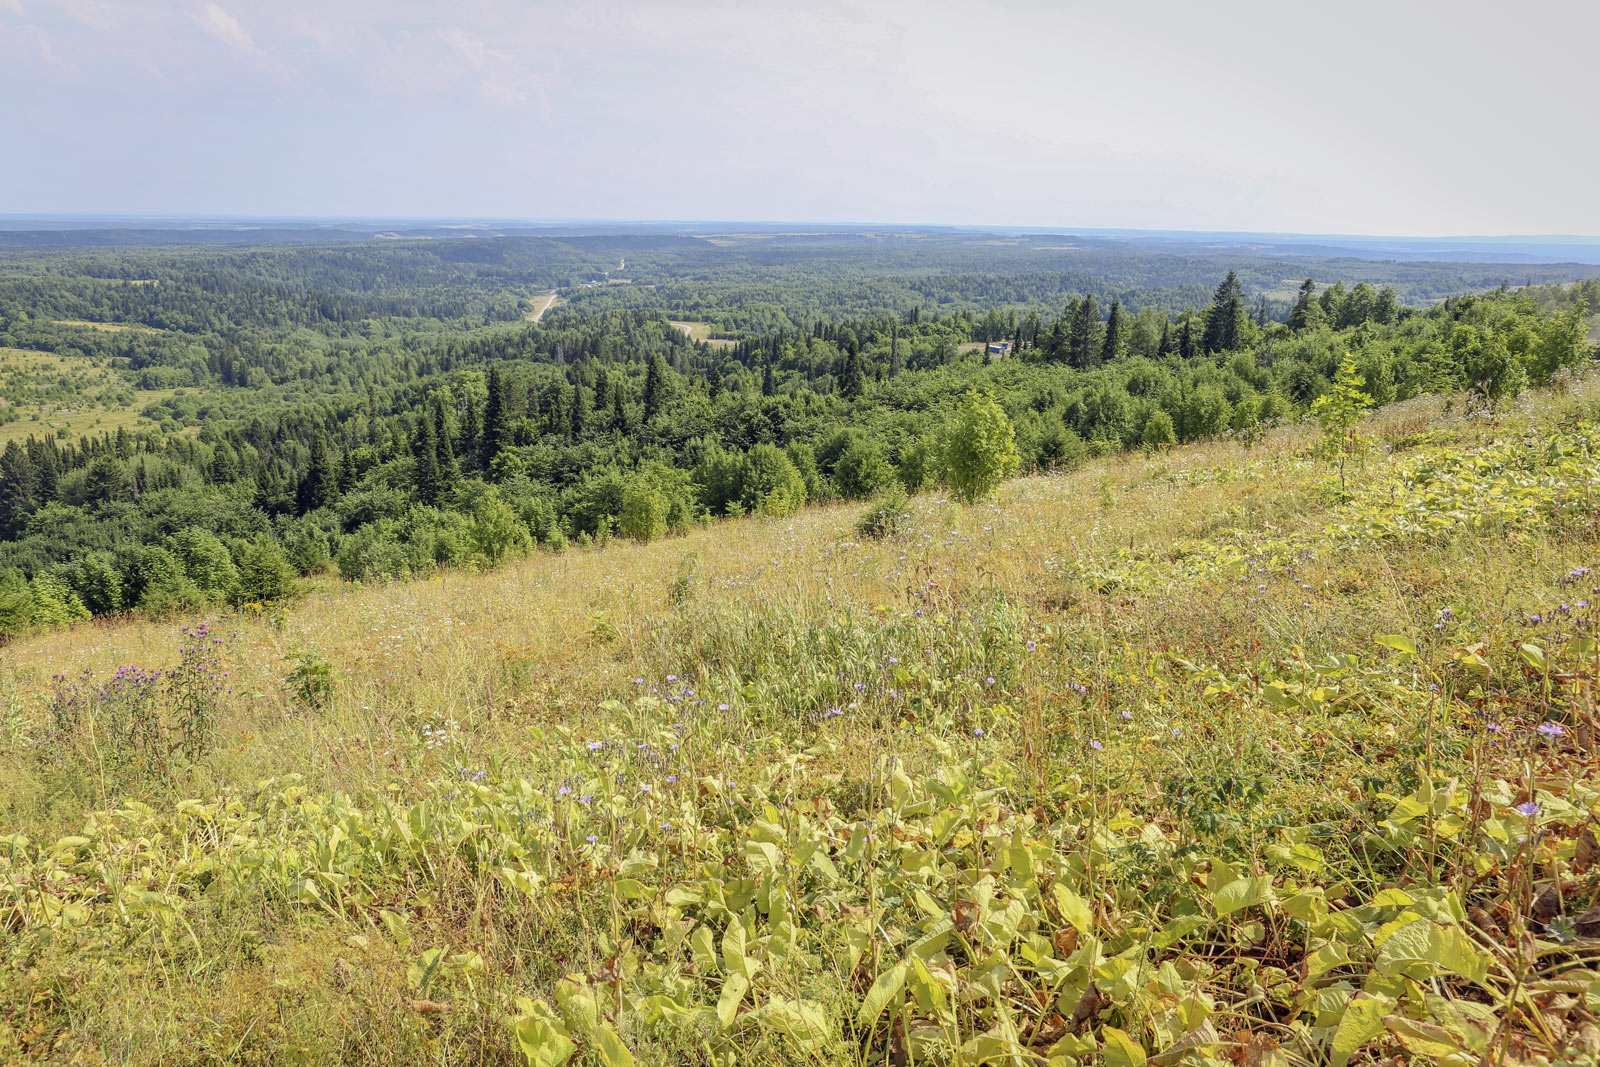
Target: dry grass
(514,656)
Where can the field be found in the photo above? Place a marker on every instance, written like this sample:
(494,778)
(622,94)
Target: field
(1190,758)
(44,394)
(700,331)
(543,303)
(108,327)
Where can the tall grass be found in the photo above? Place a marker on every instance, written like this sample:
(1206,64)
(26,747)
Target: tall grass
(1128,734)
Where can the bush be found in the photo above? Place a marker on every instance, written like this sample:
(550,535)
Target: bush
(264,572)
(644,513)
(862,470)
(886,518)
(770,482)
(982,447)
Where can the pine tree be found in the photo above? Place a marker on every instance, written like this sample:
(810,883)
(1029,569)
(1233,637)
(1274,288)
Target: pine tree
(895,365)
(1224,316)
(1111,351)
(425,451)
(1306,312)
(1169,344)
(471,430)
(575,431)
(655,388)
(444,452)
(1082,350)
(852,381)
(767,385)
(19,485)
(320,484)
(496,417)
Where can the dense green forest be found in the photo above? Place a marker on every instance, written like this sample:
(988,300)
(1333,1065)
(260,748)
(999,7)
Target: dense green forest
(377,411)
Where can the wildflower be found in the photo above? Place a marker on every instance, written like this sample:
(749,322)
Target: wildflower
(1551,729)
(1527,809)
(596,746)
(1127,715)
(989,680)
(1097,746)
(978,732)
(591,839)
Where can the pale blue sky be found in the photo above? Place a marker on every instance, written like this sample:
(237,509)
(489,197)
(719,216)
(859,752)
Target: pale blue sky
(1367,117)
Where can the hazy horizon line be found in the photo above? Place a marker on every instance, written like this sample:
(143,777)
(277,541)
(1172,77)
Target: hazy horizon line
(491,220)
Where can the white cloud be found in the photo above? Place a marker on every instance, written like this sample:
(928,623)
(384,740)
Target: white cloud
(225,28)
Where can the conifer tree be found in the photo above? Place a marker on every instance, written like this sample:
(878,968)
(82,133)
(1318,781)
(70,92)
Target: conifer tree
(425,451)
(1111,350)
(655,387)
(1224,316)
(19,484)
(1306,312)
(1082,350)
(575,430)
(496,417)
(320,483)
(852,381)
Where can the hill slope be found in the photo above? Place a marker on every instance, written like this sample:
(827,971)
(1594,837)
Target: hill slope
(1136,762)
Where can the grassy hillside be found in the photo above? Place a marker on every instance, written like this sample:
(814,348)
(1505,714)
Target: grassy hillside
(1192,758)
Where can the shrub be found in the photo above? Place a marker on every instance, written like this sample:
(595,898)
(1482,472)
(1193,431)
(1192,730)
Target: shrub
(264,572)
(644,513)
(981,449)
(886,518)
(862,470)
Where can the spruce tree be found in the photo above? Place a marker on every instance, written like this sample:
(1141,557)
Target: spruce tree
(1111,350)
(320,483)
(425,451)
(496,418)
(1083,350)
(1306,311)
(852,381)
(19,484)
(655,387)
(575,430)
(444,451)
(1224,316)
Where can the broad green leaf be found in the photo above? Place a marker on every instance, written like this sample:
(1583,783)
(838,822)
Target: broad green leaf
(1425,1039)
(1243,893)
(1399,644)
(613,1053)
(733,991)
(886,986)
(542,1043)
(1074,909)
(703,946)
(803,1022)
(1120,1050)
(1421,948)
(733,946)
(1362,1021)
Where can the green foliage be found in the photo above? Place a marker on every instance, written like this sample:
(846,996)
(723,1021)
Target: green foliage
(265,573)
(644,512)
(1159,432)
(980,447)
(311,679)
(887,518)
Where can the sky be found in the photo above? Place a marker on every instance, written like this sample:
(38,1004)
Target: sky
(1415,117)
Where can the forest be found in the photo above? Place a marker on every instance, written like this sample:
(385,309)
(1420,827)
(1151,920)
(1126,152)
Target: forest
(383,411)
